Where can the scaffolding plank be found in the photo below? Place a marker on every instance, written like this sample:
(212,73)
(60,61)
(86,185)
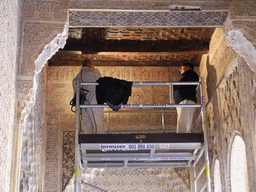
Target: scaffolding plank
(139,150)
(135,164)
(145,138)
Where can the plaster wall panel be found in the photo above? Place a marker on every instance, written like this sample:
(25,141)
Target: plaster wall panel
(229,87)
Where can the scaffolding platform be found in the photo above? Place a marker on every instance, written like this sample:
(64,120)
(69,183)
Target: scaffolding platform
(139,150)
(143,149)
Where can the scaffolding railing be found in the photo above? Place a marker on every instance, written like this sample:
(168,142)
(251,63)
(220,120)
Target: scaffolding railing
(192,161)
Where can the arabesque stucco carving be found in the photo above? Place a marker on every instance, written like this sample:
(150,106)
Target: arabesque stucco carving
(41,21)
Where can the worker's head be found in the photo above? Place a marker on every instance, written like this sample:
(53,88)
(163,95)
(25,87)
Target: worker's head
(88,63)
(185,67)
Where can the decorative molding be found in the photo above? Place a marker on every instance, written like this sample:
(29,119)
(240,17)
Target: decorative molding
(111,18)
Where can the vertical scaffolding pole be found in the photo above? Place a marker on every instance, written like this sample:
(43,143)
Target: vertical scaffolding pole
(207,161)
(77,156)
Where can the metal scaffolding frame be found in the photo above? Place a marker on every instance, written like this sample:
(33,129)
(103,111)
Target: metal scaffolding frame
(172,149)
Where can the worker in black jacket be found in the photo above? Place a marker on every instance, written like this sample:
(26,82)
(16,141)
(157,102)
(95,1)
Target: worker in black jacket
(185,94)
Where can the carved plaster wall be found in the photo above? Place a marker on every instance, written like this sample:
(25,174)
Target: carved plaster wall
(78,18)
(230,84)
(42,21)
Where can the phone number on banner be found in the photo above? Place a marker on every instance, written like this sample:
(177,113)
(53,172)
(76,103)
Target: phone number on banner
(107,147)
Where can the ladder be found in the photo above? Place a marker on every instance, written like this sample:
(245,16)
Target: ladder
(143,150)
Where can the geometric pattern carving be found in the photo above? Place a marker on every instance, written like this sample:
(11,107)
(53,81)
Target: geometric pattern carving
(231,92)
(242,9)
(68,157)
(52,159)
(44,10)
(145,18)
(230,107)
(36,35)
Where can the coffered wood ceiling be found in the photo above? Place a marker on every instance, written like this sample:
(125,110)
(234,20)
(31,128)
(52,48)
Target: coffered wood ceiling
(134,46)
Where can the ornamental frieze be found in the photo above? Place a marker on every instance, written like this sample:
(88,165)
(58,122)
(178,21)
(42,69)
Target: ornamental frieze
(110,18)
(149,5)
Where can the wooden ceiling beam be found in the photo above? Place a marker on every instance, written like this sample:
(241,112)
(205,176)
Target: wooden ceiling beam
(90,47)
(70,58)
